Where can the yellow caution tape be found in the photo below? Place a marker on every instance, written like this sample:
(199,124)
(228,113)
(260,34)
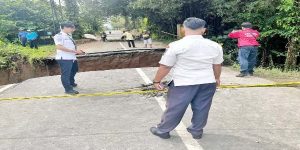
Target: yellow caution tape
(287,84)
(140,91)
(81,95)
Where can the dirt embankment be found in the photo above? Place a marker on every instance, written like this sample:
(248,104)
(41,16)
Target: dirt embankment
(91,62)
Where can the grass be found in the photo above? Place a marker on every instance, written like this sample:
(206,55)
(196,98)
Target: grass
(34,55)
(274,74)
(10,54)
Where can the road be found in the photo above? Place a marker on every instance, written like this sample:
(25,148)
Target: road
(113,46)
(240,119)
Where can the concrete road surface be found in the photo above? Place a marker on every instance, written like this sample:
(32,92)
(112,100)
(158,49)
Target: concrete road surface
(240,119)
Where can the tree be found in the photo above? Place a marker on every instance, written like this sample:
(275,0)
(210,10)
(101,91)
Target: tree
(72,13)
(116,8)
(91,15)
(117,22)
(34,14)
(72,10)
(289,23)
(278,21)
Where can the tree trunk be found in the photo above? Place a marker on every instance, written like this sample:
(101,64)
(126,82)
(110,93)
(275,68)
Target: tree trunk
(292,54)
(127,22)
(60,10)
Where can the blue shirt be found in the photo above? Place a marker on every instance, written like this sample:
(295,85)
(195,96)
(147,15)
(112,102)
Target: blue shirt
(22,34)
(32,36)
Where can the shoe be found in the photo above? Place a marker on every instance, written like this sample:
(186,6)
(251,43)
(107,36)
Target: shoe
(155,131)
(241,75)
(198,136)
(74,85)
(72,92)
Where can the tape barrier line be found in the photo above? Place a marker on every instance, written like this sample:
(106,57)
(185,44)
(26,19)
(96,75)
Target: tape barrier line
(143,91)
(80,95)
(287,84)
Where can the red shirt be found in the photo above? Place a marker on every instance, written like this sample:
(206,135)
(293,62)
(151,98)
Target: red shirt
(246,37)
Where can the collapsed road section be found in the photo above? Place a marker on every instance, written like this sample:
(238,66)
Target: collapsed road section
(136,58)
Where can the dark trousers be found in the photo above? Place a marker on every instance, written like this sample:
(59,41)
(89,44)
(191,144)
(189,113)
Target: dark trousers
(33,44)
(247,59)
(131,42)
(23,42)
(178,99)
(69,68)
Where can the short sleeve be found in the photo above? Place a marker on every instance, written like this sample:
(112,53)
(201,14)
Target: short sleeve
(58,40)
(219,59)
(169,58)
(234,35)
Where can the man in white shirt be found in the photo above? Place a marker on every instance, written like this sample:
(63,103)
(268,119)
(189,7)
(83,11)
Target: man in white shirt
(66,57)
(195,63)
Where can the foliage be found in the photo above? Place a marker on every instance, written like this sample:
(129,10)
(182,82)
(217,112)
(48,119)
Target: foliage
(117,22)
(28,14)
(289,23)
(91,16)
(277,20)
(10,54)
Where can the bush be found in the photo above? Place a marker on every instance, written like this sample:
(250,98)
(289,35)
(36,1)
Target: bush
(228,61)
(10,54)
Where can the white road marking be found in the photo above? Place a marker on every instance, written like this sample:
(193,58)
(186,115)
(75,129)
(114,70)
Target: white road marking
(189,142)
(123,46)
(6,87)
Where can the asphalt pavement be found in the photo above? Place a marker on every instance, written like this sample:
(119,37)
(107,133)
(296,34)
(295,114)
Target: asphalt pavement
(240,119)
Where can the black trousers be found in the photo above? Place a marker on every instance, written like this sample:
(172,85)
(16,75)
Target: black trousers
(23,42)
(131,42)
(69,68)
(33,44)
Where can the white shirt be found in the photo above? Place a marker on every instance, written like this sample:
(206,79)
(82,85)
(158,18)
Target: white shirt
(65,40)
(192,59)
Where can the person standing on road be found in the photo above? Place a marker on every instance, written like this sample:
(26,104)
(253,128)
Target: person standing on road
(66,57)
(129,38)
(196,66)
(104,36)
(32,37)
(147,39)
(247,43)
(22,37)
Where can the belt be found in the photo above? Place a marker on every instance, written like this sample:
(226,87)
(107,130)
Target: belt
(68,59)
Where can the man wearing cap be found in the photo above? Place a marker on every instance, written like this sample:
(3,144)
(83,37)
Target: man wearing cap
(196,69)
(66,57)
(247,43)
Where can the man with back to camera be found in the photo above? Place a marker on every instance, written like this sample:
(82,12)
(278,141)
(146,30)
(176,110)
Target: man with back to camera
(32,37)
(22,37)
(247,43)
(66,56)
(196,66)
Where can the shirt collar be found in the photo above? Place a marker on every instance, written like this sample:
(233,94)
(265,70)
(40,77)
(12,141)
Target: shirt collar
(193,36)
(63,33)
